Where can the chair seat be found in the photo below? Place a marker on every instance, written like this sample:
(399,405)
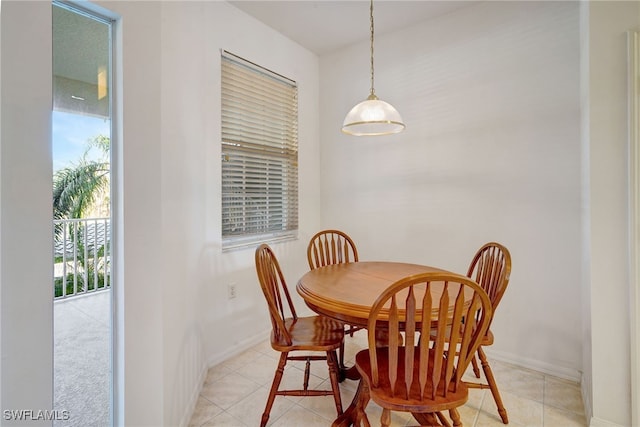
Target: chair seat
(487,339)
(398,402)
(314,333)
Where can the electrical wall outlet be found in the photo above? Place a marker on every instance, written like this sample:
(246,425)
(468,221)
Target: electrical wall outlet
(231,291)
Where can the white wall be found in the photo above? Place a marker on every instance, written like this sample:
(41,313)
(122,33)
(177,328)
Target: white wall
(490,97)
(25,202)
(175,318)
(492,151)
(200,322)
(178,320)
(607,142)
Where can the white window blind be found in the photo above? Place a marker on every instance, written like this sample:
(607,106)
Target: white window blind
(259,154)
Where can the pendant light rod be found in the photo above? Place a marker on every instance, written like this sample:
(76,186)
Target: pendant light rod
(372,116)
(372,93)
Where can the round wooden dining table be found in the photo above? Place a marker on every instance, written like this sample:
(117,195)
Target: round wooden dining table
(346,292)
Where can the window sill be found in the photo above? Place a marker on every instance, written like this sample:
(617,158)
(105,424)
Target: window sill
(238,243)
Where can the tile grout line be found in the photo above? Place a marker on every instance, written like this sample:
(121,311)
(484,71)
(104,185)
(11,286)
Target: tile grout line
(477,416)
(298,405)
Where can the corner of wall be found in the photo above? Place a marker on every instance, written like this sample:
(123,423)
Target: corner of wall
(586,386)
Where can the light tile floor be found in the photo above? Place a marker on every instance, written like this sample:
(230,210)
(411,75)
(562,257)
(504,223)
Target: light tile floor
(235,392)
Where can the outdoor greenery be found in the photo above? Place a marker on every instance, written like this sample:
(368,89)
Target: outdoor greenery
(76,187)
(93,264)
(81,285)
(76,190)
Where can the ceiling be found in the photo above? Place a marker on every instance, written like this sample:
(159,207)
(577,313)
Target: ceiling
(324,26)
(80,45)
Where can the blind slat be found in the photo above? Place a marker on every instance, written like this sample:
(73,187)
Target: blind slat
(259,152)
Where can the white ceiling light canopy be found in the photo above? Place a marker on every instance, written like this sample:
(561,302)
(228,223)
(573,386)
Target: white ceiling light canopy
(373,116)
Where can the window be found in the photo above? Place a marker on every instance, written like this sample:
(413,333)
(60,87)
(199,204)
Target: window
(259,154)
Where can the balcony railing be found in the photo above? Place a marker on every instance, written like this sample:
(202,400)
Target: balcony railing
(82,256)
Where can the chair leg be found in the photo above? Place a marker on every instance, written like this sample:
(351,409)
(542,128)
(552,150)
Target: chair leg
(443,420)
(385,419)
(341,351)
(455,417)
(474,364)
(307,373)
(274,388)
(352,330)
(332,361)
(492,385)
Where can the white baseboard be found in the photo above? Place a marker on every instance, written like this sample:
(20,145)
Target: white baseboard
(238,348)
(535,365)
(597,422)
(186,419)
(216,359)
(585,390)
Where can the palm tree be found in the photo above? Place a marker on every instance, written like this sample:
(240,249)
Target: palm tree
(75,188)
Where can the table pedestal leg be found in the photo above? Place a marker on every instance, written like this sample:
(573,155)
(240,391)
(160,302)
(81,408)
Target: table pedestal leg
(350,373)
(354,415)
(432,419)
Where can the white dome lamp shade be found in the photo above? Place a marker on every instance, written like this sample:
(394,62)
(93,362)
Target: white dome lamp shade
(373,116)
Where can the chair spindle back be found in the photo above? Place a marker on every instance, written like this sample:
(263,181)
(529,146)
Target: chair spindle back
(331,247)
(275,291)
(419,303)
(491,268)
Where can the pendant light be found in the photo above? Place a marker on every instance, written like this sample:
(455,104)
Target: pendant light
(372,116)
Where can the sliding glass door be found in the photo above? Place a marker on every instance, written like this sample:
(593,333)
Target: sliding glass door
(82,280)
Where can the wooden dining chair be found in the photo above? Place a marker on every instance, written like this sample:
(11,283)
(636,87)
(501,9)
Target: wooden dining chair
(291,333)
(329,247)
(420,375)
(490,268)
